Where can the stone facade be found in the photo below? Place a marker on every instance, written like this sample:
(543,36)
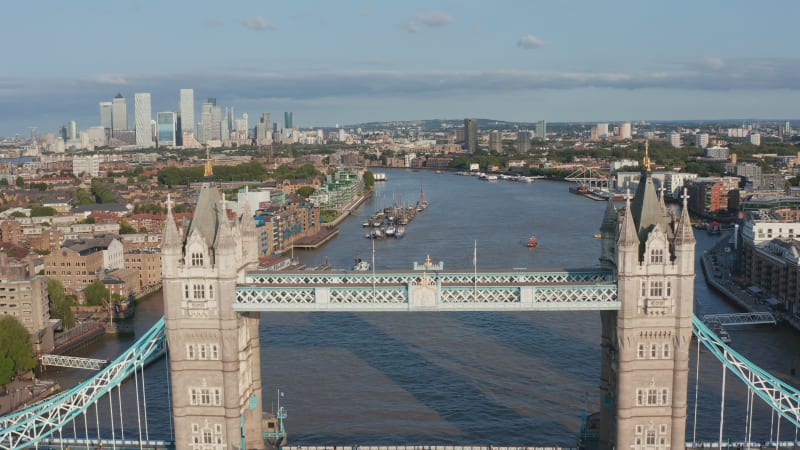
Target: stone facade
(214,354)
(24,296)
(645,362)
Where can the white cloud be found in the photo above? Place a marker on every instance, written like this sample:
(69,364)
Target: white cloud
(118,80)
(411,27)
(434,19)
(258,23)
(530,42)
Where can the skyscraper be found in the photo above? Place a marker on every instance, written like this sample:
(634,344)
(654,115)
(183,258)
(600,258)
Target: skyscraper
(264,130)
(204,134)
(625,130)
(143,116)
(471,135)
(73,130)
(541,130)
(287,119)
(119,113)
(523,142)
(166,128)
(105,116)
(495,141)
(186,110)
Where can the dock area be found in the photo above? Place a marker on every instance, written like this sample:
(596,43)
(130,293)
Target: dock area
(316,240)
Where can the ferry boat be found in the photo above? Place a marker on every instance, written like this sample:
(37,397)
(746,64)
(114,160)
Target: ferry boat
(532,242)
(379,176)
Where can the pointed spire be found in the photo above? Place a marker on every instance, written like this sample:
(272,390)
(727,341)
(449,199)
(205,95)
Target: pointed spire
(609,217)
(684,233)
(208,171)
(661,202)
(646,160)
(628,235)
(171,235)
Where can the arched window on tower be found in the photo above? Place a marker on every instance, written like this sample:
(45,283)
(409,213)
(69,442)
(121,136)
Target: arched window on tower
(657,256)
(197,259)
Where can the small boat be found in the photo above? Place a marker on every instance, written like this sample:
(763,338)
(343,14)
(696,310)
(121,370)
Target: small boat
(361,265)
(598,235)
(366,223)
(532,242)
(400,232)
(390,230)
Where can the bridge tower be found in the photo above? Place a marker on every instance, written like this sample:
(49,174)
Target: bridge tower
(645,345)
(214,358)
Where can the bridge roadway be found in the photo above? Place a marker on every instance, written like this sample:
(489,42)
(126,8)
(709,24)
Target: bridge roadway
(426,290)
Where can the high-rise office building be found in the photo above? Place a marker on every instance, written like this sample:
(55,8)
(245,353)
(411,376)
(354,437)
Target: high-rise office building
(495,141)
(471,135)
(186,110)
(287,119)
(205,133)
(541,130)
(105,115)
(142,117)
(166,128)
(675,139)
(216,120)
(701,140)
(523,142)
(625,130)
(119,114)
(73,130)
(264,130)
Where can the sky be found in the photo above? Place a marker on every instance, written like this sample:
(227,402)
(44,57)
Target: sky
(345,62)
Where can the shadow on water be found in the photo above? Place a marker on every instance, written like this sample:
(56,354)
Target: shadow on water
(544,343)
(455,398)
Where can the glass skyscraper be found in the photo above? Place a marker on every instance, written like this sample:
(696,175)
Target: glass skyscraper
(166,122)
(143,116)
(187,110)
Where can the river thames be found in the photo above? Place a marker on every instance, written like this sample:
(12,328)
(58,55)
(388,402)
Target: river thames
(461,378)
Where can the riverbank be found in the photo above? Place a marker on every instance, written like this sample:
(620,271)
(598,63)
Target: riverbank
(348,210)
(717,264)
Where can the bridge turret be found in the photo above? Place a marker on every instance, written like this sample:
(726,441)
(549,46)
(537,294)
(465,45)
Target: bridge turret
(645,355)
(214,352)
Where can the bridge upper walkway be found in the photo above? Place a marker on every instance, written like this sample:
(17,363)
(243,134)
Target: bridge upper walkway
(428,290)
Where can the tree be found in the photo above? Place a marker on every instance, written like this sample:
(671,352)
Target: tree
(369,179)
(16,345)
(42,211)
(305,191)
(6,368)
(59,305)
(20,182)
(96,293)
(125,227)
(4,181)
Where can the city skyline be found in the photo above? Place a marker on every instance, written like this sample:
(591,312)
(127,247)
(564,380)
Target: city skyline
(360,62)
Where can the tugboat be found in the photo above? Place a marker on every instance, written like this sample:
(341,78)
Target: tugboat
(532,242)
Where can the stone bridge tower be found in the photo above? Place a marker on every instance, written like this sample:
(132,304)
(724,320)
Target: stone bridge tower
(214,357)
(645,345)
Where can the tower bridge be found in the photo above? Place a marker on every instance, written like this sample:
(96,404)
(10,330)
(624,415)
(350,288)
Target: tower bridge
(213,296)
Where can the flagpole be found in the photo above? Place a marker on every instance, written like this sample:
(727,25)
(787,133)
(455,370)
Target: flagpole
(475,268)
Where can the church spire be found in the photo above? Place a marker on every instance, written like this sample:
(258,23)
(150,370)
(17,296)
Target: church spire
(646,160)
(208,171)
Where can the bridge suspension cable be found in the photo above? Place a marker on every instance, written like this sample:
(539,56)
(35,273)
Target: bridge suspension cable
(31,425)
(783,398)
